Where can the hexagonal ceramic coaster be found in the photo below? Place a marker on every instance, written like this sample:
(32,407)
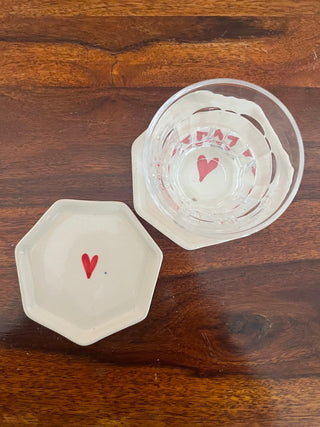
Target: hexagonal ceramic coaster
(87,269)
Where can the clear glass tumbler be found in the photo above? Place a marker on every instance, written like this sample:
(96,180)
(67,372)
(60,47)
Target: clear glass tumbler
(223,158)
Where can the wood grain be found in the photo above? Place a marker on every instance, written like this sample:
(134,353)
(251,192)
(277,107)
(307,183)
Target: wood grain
(166,51)
(160,395)
(37,8)
(232,336)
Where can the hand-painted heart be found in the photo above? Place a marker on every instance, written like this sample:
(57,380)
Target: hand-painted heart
(88,265)
(205,167)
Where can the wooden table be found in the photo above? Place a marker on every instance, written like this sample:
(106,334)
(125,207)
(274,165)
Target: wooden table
(233,333)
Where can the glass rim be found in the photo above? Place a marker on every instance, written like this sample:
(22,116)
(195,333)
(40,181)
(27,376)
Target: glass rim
(220,81)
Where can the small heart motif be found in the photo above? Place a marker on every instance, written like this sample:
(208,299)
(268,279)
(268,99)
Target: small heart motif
(186,140)
(233,140)
(247,153)
(205,167)
(88,265)
(218,134)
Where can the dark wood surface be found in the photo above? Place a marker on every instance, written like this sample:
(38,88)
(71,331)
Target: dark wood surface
(233,333)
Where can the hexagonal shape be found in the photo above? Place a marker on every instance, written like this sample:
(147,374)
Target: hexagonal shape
(87,269)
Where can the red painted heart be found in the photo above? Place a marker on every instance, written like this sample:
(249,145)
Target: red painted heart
(88,265)
(205,167)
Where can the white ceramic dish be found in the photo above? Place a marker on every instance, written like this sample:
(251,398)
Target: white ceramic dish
(87,269)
